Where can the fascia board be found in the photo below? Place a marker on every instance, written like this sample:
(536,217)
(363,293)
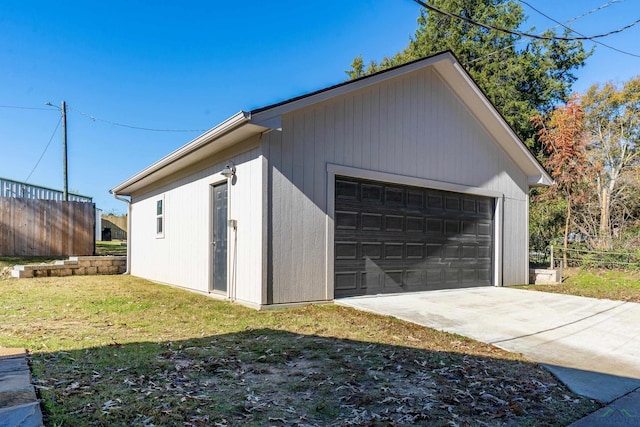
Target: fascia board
(234,129)
(271,115)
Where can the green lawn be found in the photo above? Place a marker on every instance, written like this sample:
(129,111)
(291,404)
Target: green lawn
(10,261)
(121,351)
(604,284)
(114,247)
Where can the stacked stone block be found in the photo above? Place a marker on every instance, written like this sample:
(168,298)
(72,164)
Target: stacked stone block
(74,266)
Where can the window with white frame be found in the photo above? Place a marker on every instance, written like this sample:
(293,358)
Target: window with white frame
(160,217)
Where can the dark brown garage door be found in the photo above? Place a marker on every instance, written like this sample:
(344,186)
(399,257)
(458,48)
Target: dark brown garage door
(397,238)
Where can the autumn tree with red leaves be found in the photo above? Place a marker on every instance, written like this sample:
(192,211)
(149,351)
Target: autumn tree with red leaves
(562,135)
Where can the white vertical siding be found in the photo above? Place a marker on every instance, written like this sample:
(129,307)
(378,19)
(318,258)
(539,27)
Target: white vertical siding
(183,256)
(410,126)
(516,249)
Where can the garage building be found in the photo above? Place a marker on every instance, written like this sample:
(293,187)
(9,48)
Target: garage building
(405,180)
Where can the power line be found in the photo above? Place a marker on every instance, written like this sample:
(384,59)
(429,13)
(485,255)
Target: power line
(44,151)
(570,20)
(580,34)
(24,108)
(589,12)
(94,118)
(520,33)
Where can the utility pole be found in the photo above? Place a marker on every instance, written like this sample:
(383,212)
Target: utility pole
(65,191)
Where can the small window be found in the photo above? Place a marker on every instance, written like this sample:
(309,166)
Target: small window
(160,218)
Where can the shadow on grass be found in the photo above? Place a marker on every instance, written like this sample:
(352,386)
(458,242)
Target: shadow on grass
(272,377)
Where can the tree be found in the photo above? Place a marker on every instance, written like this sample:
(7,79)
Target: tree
(612,118)
(562,136)
(521,77)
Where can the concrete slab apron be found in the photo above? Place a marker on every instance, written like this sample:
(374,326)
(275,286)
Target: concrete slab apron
(592,345)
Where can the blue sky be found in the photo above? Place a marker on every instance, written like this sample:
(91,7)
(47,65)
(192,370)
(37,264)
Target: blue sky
(189,65)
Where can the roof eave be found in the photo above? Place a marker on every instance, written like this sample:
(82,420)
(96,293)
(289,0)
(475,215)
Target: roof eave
(270,115)
(232,130)
(541,181)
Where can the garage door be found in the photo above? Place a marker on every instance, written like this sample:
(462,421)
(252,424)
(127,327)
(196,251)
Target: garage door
(398,238)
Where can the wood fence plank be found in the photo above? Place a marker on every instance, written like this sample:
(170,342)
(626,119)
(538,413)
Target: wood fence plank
(33,227)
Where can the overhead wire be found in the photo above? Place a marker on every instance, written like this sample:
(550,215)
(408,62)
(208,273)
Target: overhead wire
(15,107)
(589,12)
(94,118)
(44,151)
(574,31)
(520,33)
(603,6)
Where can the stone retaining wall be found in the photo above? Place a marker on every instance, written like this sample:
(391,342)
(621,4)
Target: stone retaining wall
(74,266)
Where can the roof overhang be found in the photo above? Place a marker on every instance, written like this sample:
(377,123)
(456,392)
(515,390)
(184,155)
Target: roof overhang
(232,131)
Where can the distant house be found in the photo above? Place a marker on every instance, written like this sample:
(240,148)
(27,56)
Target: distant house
(114,227)
(36,221)
(405,180)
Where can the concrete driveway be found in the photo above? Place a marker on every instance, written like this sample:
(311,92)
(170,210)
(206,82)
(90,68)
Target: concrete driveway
(591,345)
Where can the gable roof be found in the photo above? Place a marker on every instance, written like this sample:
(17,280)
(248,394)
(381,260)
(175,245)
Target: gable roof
(243,125)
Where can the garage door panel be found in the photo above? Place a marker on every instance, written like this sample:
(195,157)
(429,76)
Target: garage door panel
(414,278)
(452,203)
(469,205)
(470,253)
(372,193)
(485,229)
(484,274)
(393,279)
(435,201)
(415,251)
(435,226)
(371,250)
(393,223)
(371,279)
(393,238)
(393,251)
(452,276)
(415,199)
(346,220)
(347,190)
(451,228)
(415,224)
(346,281)
(484,253)
(469,228)
(393,196)
(346,250)
(371,221)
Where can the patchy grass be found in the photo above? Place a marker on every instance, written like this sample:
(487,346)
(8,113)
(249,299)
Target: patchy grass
(10,261)
(620,285)
(115,247)
(120,351)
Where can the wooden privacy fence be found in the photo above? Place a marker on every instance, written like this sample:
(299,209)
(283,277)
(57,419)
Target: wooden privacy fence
(33,227)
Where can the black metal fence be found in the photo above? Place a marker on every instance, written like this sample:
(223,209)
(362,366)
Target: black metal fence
(551,257)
